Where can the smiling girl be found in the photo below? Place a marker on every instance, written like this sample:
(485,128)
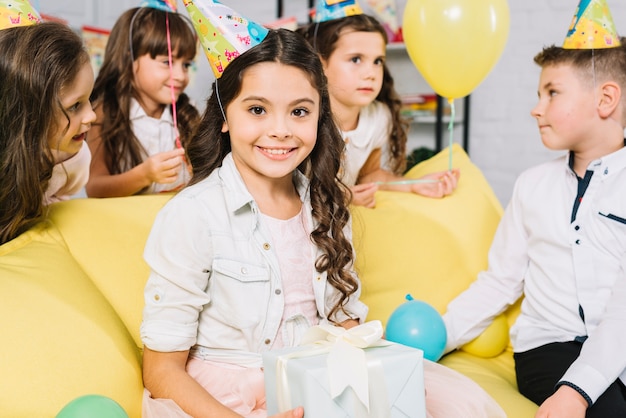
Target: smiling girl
(134,141)
(266,251)
(44,114)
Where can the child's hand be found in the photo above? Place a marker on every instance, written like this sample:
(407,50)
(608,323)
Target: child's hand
(363,195)
(294,413)
(447,183)
(164,167)
(565,403)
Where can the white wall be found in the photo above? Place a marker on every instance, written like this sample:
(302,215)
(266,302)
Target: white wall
(503,137)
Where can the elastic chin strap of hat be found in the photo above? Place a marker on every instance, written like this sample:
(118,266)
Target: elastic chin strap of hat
(219,101)
(130,34)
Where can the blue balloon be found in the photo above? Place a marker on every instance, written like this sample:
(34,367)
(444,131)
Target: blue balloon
(92,406)
(419,325)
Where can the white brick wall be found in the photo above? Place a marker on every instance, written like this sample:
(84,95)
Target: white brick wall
(504,139)
(503,136)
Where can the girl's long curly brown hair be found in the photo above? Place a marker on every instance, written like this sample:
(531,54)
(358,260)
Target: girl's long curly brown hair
(328,195)
(36,63)
(114,89)
(323,36)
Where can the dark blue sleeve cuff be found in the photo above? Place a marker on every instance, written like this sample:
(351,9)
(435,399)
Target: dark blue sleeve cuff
(577,389)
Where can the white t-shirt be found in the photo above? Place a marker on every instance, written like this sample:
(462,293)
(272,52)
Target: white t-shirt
(371,133)
(69,175)
(156,135)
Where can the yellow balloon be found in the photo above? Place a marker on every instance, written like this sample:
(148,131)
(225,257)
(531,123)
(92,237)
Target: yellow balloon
(455,43)
(492,341)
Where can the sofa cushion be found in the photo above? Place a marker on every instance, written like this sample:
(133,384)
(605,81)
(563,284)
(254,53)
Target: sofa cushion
(434,249)
(497,376)
(430,248)
(62,339)
(110,250)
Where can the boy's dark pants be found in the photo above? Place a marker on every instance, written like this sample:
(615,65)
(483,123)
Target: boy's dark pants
(539,370)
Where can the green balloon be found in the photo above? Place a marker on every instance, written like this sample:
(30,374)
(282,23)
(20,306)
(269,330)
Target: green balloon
(92,406)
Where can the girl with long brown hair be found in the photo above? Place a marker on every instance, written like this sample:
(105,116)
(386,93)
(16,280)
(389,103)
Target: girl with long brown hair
(134,141)
(257,249)
(367,108)
(44,115)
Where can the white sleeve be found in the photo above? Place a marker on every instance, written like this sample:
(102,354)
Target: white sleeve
(178,251)
(496,288)
(602,358)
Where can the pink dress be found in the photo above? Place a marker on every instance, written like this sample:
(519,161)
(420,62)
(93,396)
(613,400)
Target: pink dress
(449,394)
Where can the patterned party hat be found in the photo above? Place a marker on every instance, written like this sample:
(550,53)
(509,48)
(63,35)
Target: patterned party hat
(165,5)
(224,33)
(385,11)
(592,27)
(17,13)
(335,9)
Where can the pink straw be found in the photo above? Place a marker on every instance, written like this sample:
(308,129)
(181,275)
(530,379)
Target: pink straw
(169,60)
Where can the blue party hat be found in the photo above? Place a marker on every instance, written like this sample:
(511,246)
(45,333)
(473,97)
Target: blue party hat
(335,9)
(165,5)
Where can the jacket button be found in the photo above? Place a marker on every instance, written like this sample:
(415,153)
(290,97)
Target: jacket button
(267,341)
(266,246)
(277,291)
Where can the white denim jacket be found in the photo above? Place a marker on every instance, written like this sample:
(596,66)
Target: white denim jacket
(215,279)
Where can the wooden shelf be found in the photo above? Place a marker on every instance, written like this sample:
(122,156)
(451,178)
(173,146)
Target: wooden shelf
(431,119)
(396,46)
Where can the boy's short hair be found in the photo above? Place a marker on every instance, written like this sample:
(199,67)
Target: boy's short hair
(608,64)
(591,65)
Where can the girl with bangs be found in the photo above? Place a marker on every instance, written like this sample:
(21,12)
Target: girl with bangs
(367,108)
(144,118)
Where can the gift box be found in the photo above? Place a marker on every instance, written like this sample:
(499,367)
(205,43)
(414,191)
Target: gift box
(389,382)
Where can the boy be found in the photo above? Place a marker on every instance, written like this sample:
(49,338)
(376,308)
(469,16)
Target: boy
(562,245)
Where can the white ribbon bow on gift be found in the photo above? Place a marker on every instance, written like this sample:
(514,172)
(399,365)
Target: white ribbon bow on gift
(347,364)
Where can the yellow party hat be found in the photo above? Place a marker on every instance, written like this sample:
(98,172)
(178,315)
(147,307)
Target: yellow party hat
(335,9)
(17,13)
(592,27)
(224,33)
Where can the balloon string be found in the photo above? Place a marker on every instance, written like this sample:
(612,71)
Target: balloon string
(409,181)
(169,61)
(451,132)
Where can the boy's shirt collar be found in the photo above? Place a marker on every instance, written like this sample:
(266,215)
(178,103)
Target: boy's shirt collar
(607,164)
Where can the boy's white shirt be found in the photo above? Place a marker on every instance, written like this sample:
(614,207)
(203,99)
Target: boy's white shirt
(557,265)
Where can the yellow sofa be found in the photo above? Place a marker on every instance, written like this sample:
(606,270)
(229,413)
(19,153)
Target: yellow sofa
(71,290)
